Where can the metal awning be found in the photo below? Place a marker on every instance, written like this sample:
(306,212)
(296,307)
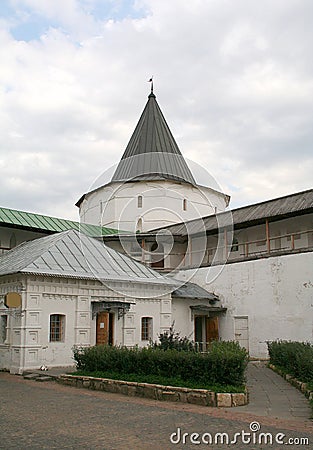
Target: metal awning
(205,309)
(108,306)
(193,291)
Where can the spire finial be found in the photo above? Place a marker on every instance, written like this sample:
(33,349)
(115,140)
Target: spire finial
(151,81)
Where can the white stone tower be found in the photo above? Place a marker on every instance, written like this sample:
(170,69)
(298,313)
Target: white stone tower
(152,186)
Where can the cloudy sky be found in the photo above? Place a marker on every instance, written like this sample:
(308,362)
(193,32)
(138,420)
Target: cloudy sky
(234,80)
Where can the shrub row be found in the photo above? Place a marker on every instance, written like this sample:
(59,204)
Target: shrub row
(295,358)
(224,364)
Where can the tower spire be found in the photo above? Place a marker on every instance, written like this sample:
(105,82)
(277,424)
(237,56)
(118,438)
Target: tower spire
(151,81)
(152,152)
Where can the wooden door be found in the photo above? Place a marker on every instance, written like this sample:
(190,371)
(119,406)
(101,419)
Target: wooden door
(212,329)
(102,334)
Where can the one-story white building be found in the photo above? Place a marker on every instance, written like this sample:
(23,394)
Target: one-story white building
(75,291)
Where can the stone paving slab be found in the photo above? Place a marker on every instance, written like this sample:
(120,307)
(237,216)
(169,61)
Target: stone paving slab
(272,396)
(53,371)
(51,416)
(269,394)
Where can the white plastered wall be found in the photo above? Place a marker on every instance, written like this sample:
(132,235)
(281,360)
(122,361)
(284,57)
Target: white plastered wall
(275,294)
(28,346)
(7,235)
(116,205)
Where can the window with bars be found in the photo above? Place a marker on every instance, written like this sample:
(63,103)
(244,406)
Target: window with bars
(146,328)
(57,328)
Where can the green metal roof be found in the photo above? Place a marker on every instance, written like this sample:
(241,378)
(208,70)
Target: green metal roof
(41,223)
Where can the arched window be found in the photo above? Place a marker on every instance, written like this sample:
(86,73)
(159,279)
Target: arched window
(146,328)
(57,328)
(185,204)
(139,201)
(139,226)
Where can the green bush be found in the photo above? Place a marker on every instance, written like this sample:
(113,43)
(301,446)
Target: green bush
(172,340)
(294,358)
(223,364)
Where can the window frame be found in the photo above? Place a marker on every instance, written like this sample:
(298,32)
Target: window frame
(146,328)
(4,329)
(57,327)
(139,201)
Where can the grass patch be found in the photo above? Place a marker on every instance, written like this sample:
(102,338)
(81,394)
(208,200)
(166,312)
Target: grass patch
(165,381)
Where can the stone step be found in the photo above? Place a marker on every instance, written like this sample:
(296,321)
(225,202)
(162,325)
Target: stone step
(44,378)
(37,377)
(30,376)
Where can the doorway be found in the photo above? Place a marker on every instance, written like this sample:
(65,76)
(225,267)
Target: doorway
(242,331)
(206,331)
(105,327)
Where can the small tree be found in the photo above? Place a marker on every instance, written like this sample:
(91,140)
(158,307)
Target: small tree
(170,340)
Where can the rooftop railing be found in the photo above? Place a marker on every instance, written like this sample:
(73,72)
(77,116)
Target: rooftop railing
(230,252)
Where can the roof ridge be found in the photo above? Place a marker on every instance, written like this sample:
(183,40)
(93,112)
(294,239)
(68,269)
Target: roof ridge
(227,212)
(273,199)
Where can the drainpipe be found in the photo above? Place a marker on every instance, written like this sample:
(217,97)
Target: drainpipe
(225,243)
(23,327)
(143,250)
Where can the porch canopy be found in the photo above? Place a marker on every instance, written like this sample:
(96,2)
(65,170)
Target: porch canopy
(107,306)
(205,309)
(192,291)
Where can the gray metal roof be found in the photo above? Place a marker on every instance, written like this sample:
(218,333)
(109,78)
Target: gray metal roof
(192,290)
(152,153)
(275,209)
(73,254)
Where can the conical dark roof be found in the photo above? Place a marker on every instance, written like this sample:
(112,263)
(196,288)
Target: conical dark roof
(152,153)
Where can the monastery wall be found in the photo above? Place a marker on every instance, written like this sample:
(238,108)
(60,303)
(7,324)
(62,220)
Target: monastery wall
(266,299)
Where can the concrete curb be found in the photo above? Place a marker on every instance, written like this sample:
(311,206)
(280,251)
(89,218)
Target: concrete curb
(294,382)
(156,392)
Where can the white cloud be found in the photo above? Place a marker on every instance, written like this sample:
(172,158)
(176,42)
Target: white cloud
(234,80)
